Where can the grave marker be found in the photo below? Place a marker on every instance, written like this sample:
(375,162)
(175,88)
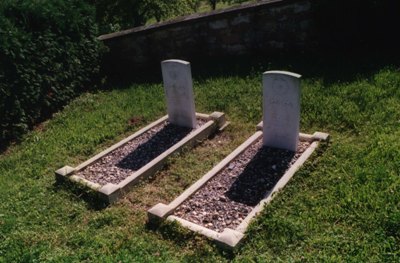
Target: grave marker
(281,109)
(178,88)
(281,121)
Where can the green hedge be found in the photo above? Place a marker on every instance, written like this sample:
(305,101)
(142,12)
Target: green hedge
(48,54)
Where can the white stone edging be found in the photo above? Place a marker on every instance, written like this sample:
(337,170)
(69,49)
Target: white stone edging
(120,143)
(279,185)
(230,238)
(161,210)
(111,192)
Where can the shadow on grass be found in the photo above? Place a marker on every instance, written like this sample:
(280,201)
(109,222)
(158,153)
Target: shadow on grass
(184,238)
(331,66)
(171,231)
(4,146)
(80,193)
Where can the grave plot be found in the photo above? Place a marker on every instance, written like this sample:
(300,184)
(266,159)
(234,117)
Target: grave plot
(112,172)
(222,203)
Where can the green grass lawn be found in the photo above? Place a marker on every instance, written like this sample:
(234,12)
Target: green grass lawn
(343,205)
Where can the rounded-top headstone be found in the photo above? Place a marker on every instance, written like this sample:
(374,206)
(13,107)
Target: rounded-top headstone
(178,86)
(281,109)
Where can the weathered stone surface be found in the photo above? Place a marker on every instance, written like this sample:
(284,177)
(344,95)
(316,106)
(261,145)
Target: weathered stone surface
(178,87)
(250,28)
(281,109)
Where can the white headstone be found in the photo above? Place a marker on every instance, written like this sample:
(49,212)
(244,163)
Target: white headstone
(281,109)
(177,77)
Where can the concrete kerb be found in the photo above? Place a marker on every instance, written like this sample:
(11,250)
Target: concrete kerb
(112,192)
(316,136)
(161,210)
(231,238)
(219,117)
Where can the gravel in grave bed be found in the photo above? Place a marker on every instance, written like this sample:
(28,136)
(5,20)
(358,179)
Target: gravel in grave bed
(225,200)
(130,157)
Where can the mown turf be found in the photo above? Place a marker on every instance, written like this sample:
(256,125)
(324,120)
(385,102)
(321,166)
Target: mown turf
(343,205)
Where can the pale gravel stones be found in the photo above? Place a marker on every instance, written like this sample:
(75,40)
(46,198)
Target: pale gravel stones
(125,160)
(232,194)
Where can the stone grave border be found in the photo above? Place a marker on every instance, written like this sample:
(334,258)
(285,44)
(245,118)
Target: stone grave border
(110,193)
(230,238)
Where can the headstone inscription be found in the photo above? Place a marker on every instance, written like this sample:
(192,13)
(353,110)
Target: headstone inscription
(281,109)
(178,88)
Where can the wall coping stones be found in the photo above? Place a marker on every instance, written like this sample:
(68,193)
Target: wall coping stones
(193,17)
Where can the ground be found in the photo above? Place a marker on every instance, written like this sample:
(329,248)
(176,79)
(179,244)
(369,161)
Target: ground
(343,205)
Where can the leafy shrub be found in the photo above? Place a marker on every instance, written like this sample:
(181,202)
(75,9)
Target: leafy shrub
(48,54)
(114,15)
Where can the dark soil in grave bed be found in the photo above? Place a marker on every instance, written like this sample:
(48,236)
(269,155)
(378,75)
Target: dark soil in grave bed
(229,196)
(123,161)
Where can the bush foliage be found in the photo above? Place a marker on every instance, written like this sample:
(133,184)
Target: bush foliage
(114,15)
(48,53)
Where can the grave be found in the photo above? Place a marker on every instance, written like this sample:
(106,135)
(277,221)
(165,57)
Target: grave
(281,110)
(178,88)
(222,203)
(115,170)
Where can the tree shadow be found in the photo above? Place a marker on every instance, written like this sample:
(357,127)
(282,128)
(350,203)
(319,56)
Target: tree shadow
(260,175)
(331,66)
(156,145)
